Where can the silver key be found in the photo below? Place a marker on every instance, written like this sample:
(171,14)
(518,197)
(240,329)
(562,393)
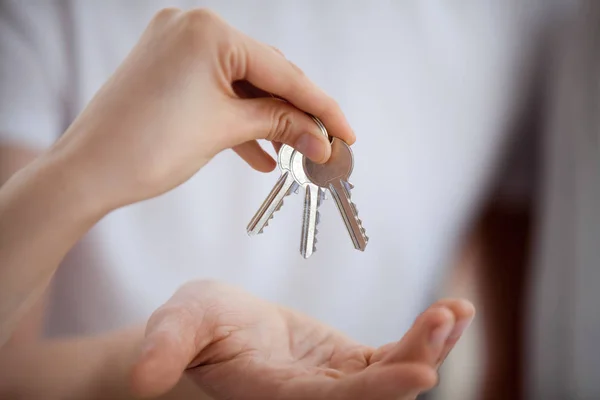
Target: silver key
(284,186)
(313,197)
(334,175)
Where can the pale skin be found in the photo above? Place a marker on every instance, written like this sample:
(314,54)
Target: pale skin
(162,116)
(216,339)
(167,110)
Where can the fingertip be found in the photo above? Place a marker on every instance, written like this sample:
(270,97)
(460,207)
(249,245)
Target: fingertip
(255,156)
(329,111)
(339,129)
(467,308)
(439,323)
(266,166)
(461,307)
(463,311)
(436,317)
(314,146)
(351,137)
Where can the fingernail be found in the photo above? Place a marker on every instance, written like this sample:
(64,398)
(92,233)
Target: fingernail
(440,335)
(460,327)
(311,147)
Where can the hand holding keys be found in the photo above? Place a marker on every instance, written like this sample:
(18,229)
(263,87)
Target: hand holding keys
(296,170)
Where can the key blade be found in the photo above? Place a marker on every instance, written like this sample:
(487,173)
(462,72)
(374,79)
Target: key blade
(274,201)
(349,214)
(308,240)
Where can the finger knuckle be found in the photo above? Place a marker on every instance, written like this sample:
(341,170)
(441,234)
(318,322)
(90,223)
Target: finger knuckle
(202,21)
(172,312)
(204,30)
(234,58)
(282,122)
(199,285)
(203,16)
(165,15)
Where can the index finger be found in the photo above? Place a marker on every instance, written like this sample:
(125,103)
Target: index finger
(267,69)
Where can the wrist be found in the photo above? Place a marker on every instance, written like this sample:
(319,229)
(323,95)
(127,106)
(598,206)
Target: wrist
(67,178)
(95,173)
(68,186)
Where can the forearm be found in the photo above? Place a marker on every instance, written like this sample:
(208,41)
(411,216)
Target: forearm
(44,210)
(87,368)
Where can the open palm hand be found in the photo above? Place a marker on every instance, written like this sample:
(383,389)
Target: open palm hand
(236,346)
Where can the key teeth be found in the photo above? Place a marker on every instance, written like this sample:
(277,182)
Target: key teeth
(348,186)
(322,197)
(359,222)
(363,232)
(281,182)
(272,215)
(315,240)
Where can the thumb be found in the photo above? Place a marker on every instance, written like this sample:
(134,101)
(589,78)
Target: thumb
(278,121)
(396,381)
(175,334)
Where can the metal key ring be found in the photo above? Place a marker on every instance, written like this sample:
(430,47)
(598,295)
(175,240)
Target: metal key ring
(321,126)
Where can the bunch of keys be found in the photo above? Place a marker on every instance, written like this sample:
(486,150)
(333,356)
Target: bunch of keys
(296,171)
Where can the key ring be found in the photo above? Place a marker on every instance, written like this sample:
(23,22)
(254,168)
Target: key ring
(315,178)
(321,126)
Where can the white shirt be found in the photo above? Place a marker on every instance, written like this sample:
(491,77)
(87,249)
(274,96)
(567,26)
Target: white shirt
(431,88)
